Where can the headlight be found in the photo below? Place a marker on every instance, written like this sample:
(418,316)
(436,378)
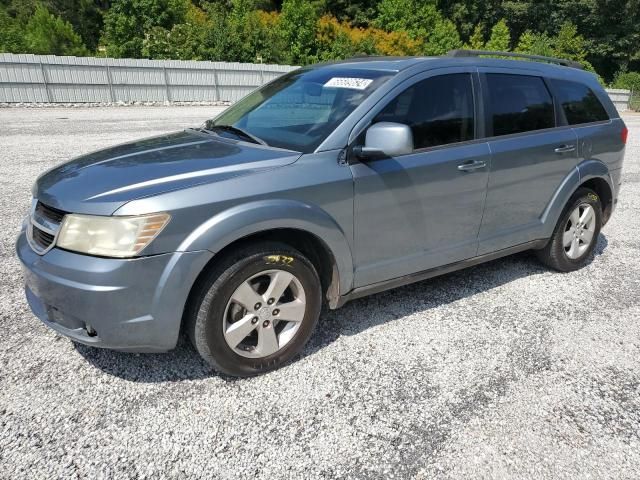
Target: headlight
(110,236)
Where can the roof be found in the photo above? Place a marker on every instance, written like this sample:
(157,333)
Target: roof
(397,64)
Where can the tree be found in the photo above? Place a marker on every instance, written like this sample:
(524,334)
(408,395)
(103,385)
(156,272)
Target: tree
(468,14)
(11,33)
(500,39)
(48,34)
(415,17)
(442,38)
(535,44)
(476,41)
(609,27)
(298,22)
(627,80)
(127,23)
(569,44)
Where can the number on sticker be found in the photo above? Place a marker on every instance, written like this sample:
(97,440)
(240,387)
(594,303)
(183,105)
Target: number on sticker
(279,260)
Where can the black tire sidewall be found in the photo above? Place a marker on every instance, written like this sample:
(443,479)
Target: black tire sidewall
(580,197)
(208,336)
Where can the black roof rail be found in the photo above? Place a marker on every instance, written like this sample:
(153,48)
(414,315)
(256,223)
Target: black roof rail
(477,53)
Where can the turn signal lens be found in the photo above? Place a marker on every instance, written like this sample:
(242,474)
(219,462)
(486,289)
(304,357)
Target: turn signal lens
(110,236)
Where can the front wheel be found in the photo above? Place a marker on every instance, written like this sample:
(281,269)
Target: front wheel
(256,309)
(576,233)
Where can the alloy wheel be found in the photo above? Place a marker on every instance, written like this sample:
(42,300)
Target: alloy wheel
(579,231)
(264,313)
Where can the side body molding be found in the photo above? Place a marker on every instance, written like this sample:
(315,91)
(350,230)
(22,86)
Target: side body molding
(243,220)
(584,171)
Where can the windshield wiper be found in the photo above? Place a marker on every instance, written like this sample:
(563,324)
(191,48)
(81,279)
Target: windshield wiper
(237,131)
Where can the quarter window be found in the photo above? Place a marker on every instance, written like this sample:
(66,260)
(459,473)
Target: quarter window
(519,103)
(579,103)
(439,110)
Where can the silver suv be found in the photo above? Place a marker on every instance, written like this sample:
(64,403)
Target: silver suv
(332,182)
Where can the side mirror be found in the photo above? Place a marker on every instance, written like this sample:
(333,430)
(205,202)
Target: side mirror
(386,139)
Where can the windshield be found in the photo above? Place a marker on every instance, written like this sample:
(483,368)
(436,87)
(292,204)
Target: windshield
(300,109)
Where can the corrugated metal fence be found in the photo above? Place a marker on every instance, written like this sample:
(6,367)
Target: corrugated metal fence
(52,79)
(620,98)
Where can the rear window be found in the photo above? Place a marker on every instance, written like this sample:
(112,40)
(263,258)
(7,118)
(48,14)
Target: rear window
(518,103)
(579,103)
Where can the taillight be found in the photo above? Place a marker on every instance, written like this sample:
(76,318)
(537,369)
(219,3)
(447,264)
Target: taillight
(624,134)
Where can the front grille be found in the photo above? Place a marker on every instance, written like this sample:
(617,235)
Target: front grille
(44,225)
(52,214)
(41,238)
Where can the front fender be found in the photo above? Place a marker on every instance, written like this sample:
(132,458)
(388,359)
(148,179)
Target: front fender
(243,220)
(583,172)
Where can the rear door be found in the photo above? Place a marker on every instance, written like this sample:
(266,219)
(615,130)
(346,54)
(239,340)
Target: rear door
(530,156)
(422,210)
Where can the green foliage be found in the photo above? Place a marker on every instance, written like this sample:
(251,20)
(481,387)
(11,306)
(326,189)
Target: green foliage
(500,39)
(604,34)
(628,81)
(476,41)
(442,38)
(48,34)
(569,44)
(417,18)
(421,21)
(535,44)
(11,36)
(127,23)
(298,22)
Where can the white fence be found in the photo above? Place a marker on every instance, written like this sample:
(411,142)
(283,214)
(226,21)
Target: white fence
(52,79)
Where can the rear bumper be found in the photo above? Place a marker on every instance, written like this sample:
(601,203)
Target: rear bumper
(131,304)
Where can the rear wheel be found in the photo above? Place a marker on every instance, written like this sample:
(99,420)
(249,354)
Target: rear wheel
(256,309)
(576,233)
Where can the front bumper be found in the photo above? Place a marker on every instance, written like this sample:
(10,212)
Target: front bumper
(125,304)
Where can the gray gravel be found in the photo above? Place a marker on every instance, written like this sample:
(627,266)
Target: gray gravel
(502,370)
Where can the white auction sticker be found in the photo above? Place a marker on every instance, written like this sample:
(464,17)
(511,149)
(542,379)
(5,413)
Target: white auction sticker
(347,82)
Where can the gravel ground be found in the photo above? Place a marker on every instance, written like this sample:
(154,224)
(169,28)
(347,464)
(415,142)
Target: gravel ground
(505,370)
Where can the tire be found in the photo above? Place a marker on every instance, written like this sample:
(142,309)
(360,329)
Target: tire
(222,306)
(567,257)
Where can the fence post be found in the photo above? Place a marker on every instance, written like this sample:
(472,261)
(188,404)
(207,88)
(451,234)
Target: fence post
(216,84)
(44,80)
(166,84)
(110,80)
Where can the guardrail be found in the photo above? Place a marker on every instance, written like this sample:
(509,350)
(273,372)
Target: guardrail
(26,78)
(52,79)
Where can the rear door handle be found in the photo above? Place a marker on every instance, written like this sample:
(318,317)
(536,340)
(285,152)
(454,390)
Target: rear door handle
(471,166)
(565,149)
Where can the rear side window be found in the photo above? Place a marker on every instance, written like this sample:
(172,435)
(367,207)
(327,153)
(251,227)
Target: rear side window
(519,103)
(439,110)
(579,103)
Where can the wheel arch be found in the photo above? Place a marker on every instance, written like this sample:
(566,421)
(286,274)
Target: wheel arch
(304,227)
(592,174)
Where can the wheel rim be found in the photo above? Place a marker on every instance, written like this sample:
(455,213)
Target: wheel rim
(264,313)
(579,231)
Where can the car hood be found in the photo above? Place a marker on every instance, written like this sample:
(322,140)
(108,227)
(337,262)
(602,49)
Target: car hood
(101,182)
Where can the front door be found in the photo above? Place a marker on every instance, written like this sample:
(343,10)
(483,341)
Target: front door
(422,210)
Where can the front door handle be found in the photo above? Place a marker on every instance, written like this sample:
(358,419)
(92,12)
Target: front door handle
(471,166)
(565,149)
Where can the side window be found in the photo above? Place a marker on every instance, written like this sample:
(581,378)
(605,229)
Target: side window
(579,103)
(439,110)
(519,103)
